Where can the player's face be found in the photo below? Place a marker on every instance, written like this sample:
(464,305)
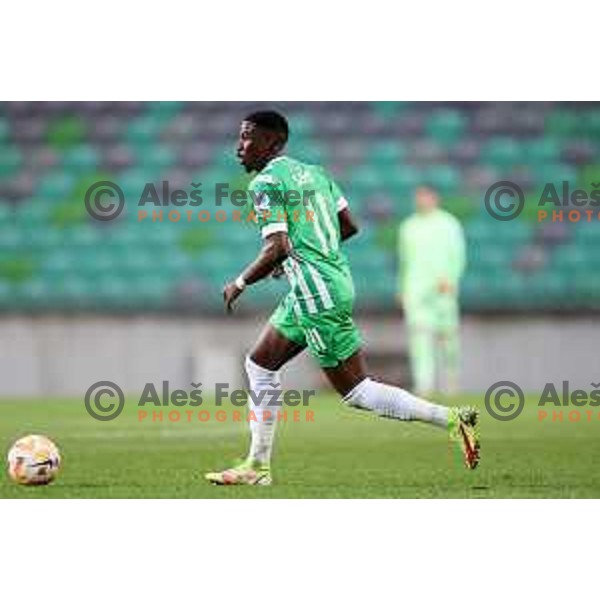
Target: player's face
(255,147)
(425,200)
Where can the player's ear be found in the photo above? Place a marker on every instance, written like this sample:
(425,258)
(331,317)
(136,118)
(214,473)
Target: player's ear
(276,143)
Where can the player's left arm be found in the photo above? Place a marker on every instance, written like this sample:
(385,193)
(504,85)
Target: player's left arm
(348,226)
(275,250)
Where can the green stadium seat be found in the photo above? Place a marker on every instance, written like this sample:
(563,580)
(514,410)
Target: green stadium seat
(311,152)
(591,122)
(564,123)
(383,154)
(462,207)
(368,177)
(4,129)
(555,173)
(588,234)
(543,150)
(302,126)
(11,239)
(514,232)
(143,130)
(163,111)
(389,110)
(81,159)
(503,153)
(155,156)
(446,126)
(445,178)
(55,185)
(66,132)
(401,179)
(7,215)
(10,161)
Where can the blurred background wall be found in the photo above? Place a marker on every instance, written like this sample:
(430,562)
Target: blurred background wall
(83,300)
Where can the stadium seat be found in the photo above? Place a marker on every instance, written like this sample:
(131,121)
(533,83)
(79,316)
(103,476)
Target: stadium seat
(446,126)
(10,161)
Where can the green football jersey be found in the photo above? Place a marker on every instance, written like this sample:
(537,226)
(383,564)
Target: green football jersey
(304,201)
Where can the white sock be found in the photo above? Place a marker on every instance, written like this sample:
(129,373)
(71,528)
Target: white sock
(395,403)
(262,429)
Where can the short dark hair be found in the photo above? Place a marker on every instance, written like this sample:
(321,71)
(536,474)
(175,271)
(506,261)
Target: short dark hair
(426,185)
(271,121)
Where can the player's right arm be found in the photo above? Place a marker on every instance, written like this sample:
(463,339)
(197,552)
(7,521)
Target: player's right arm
(275,250)
(267,194)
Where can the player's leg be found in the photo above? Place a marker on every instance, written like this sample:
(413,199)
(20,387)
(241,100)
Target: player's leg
(358,390)
(447,329)
(271,352)
(280,341)
(273,349)
(419,318)
(421,352)
(335,342)
(351,380)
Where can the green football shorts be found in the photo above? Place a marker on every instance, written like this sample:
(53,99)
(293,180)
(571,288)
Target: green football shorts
(331,335)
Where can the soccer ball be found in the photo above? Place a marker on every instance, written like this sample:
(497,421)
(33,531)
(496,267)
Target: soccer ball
(33,460)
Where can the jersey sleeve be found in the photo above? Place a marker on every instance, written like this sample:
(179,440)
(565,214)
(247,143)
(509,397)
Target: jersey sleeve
(338,196)
(267,192)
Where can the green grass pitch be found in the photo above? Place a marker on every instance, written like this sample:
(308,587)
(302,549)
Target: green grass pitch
(342,454)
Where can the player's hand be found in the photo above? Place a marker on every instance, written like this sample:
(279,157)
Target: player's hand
(230,294)
(444,286)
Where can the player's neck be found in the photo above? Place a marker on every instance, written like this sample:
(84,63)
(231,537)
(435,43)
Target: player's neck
(270,161)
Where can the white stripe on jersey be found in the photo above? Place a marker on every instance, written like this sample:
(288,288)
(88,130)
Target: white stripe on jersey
(312,334)
(292,279)
(321,287)
(310,301)
(297,308)
(317,227)
(328,224)
(318,339)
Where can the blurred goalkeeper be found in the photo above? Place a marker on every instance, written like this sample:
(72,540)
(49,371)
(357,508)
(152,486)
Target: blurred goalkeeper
(431,250)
